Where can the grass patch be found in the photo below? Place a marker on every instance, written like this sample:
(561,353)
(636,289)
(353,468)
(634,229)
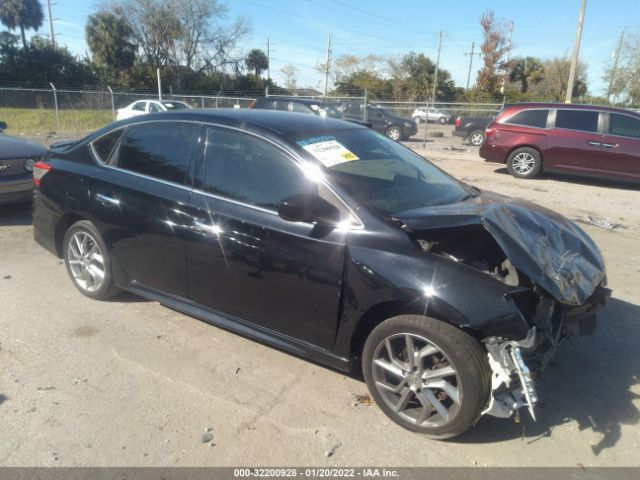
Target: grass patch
(39,121)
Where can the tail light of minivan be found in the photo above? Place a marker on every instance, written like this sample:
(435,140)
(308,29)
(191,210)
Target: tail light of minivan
(40,169)
(490,132)
(458,121)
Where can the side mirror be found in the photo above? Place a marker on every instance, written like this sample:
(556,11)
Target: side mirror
(309,208)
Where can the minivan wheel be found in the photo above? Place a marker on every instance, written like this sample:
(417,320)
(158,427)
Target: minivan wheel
(394,133)
(524,162)
(476,138)
(87,261)
(426,375)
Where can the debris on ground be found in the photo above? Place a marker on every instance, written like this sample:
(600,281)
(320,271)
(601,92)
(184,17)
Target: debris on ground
(332,450)
(456,149)
(207,437)
(7,277)
(237,371)
(365,400)
(604,223)
(207,429)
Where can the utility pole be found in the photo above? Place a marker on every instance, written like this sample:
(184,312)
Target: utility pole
(268,63)
(53,37)
(506,65)
(326,67)
(576,51)
(471,54)
(616,58)
(435,76)
(159,84)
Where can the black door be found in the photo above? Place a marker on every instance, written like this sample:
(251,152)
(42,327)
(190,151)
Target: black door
(140,199)
(246,261)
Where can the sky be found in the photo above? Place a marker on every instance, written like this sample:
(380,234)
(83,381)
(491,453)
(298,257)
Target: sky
(298,30)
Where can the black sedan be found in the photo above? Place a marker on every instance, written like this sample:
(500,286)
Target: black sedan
(17,157)
(329,241)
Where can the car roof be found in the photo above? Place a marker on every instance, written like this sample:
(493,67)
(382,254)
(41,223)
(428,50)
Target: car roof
(570,106)
(285,124)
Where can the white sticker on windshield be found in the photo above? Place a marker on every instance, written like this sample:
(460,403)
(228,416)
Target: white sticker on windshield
(330,153)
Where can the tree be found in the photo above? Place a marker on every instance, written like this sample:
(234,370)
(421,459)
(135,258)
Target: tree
(493,49)
(256,61)
(553,86)
(110,41)
(23,14)
(290,72)
(525,70)
(625,80)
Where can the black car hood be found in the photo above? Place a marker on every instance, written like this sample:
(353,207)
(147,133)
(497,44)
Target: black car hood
(550,249)
(12,147)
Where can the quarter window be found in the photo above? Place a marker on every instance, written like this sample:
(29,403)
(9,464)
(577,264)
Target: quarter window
(157,150)
(583,120)
(154,107)
(242,167)
(624,125)
(530,118)
(139,106)
(104,145)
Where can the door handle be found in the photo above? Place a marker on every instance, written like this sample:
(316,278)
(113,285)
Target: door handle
(594,144)
(105,199)
(610,145)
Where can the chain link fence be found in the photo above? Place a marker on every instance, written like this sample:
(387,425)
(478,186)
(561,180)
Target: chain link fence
(74,113)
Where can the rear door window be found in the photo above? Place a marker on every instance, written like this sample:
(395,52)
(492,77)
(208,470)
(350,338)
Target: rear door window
(104,145)
(530,118)
(139,106)
(154,107)
(159,150)
(583,120)
(624,125)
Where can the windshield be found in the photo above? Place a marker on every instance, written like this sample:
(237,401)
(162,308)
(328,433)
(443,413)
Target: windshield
(381,173)
(326,111)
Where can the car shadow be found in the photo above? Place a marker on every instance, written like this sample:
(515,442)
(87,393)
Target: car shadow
(589,382)
(583,180)
(15,214)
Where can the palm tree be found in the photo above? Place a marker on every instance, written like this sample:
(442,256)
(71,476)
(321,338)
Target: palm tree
(256,61)
(526,70)
(23,14)
(109,40)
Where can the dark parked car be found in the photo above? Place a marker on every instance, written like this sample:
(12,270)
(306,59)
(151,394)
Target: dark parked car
(17,157)
(383,121)
(329,241)
(471,129)
(582,139)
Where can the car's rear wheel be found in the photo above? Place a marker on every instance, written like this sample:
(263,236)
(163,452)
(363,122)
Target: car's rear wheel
(524,162)
(87,261)
(417,119)
(426,375)
(394,133)
(476,138)
(442,120)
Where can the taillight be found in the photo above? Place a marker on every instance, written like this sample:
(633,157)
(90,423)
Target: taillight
(458,121)
(252,104)
(39,170)
(489,132)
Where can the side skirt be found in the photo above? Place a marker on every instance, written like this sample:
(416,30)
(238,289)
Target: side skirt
(244,328)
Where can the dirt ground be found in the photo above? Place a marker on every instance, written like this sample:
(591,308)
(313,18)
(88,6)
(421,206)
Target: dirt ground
(131,383)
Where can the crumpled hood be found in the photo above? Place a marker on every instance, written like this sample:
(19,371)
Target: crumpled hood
(550,249)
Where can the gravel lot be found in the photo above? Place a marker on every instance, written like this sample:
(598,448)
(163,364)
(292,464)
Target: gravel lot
(129,382)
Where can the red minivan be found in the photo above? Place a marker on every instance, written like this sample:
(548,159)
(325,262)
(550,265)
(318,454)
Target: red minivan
(556,137)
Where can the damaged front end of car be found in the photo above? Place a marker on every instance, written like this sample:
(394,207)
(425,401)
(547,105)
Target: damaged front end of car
(555,273)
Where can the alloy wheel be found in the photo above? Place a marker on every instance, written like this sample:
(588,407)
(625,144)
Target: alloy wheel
(417,380)
(477,139)
(86,262)
(394,133)
(523,163)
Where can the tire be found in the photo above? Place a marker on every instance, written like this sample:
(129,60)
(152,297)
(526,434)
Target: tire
(467,389)
(476,138)
(394,133)
(87,261)
(417,119)
(524,162)
(442,120)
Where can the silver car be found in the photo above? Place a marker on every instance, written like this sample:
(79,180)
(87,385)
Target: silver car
(422,114)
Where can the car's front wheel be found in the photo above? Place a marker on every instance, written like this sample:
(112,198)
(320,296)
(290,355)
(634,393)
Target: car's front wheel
(87,261)
(524,162)
(394,133)
(426,375)
(442,120)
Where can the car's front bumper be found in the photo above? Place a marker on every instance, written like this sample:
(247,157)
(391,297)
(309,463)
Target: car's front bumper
(16,191)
